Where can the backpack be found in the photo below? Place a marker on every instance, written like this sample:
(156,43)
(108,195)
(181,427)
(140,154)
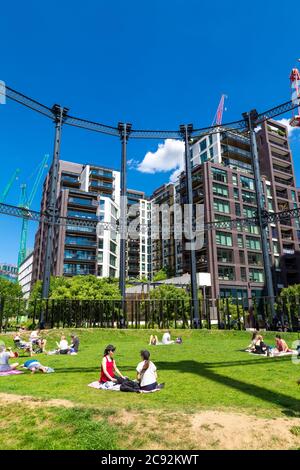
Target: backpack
(129,386)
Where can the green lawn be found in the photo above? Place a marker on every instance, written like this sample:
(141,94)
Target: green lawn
(207,371)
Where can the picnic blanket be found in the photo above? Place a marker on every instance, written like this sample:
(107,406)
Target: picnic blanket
(116,388)
(279,354)
(10,372)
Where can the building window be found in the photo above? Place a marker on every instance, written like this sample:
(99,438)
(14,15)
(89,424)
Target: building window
(113,247)
(242,257)
(248,212)
(255,259)
(100,243)
(294,198)
(243,274)
(100,257)
(224,256)
(203,145)
(253,243)
(226,273)
(256,275)
(248,197)
(221,206)
(220,190)
(99,271)
(247,183)
(236,194)
(240,240)
(219,175)
(234,180)
(112,272)
(112,260)
(223,238)
(237,210)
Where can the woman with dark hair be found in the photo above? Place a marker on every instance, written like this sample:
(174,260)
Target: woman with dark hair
(109,368)
(146,373)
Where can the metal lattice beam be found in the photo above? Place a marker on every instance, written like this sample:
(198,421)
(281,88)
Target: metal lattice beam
(236,126)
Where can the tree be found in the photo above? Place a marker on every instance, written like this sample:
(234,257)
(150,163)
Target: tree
(172,302)
(10,289)
(79,288)
(11,299)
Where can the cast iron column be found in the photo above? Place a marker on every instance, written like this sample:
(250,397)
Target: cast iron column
(124,130)
(186,131)
(60,114)
(261,211)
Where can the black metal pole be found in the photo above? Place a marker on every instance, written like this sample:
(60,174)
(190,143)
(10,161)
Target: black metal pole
(261,211)
(186,131)
(60,114)
(124,130)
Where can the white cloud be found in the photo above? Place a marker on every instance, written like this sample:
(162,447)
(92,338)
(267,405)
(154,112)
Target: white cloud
(286,122)
(168,156)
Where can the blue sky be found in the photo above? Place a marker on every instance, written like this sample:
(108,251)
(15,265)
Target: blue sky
(155,63)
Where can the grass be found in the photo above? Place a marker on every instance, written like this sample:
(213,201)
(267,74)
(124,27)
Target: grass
(207,371)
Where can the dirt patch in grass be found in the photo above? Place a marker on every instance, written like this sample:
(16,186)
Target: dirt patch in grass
(31,402)
(161,430)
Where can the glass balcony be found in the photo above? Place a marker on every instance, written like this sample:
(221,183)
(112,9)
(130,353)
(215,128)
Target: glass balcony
(82,214)
(101,184)
(78,269)
(80,201)
(104,173)
(80,241)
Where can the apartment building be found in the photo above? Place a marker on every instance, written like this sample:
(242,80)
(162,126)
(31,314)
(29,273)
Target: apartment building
(92,193)
(276,163)
(138,260)
(163,244)
(223,181)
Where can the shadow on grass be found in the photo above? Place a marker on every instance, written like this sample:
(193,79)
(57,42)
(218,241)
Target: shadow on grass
(204,370)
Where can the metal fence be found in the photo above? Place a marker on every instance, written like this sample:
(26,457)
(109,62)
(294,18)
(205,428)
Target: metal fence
(223,313)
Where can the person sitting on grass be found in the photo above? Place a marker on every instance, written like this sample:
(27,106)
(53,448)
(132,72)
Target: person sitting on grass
(36,339)
(24,345)
(251,346)
(5,355)
(261,347)
(166,339)
(281,345)
(74,347)
(153,340)
(34,366)
(109,368)
(147,373)
(63,346)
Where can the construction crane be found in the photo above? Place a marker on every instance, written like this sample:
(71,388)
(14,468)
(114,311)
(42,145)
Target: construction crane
(7,188)
(295,86)
(219,113)
(25,203)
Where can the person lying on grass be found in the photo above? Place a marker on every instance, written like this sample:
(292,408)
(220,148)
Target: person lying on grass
(109,368)
(166,339)
(5,355)
(147,373)
(281,345)
(34,366)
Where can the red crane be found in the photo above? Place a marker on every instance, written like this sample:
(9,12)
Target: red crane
(219,114)
(295,86)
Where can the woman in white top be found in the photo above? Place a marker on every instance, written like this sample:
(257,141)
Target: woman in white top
(63,346)
(146,373)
